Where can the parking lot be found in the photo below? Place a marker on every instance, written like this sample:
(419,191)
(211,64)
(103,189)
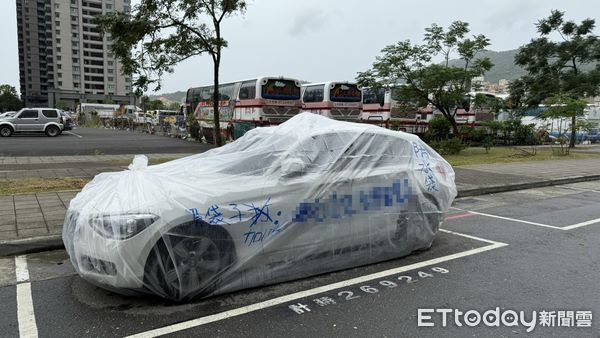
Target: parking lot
(95,141)
(529,250)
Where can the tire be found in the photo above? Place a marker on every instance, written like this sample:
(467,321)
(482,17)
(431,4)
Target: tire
(52,131)
(5,131)
(188,261)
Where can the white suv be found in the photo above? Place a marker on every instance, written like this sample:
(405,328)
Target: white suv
(47,120)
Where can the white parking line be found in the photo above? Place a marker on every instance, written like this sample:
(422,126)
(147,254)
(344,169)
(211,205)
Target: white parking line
(72,133)
(582,224)
(21,270)
(515,220)
(325,288)
(473,237)
(25,313)
(564,228)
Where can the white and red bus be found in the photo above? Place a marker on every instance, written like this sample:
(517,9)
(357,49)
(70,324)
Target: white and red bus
(408,115)
(336,100)
(474,115)
(246,104)
(389,109)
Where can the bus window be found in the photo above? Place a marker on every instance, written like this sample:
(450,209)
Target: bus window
(248,90)
(343,92)
(466,103)
(226,91)
(370,96)
(313,94)
(279,89)
(206,94)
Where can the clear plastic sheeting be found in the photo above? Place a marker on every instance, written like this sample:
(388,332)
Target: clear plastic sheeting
(309,196)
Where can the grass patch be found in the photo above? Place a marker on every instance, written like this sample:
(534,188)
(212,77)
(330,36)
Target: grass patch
(33,185)
(474,155)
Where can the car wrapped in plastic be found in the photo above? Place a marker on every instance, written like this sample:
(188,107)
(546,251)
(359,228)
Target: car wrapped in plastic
(309,196)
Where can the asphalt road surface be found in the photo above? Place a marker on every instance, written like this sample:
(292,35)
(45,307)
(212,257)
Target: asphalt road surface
(531,250)
(92,141)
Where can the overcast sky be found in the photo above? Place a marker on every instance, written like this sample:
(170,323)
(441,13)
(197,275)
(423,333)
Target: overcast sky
(320,40)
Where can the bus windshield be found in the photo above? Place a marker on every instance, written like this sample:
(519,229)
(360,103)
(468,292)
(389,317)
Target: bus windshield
(277,89)
(345,93)
(373,96)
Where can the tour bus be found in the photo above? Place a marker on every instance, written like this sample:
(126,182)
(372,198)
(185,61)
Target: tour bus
(336,100)
(475,115)
(388,109)
(105,112)
(246,104)
(166,116)
(408,115)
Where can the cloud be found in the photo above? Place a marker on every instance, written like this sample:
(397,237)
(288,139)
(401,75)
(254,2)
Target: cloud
(307,21)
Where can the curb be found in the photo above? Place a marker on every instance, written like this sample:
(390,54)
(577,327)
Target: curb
(523,186)
(44,192)
(53,242)
(30,245)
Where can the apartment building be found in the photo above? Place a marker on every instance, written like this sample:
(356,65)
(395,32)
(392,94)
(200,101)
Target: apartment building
(64,58)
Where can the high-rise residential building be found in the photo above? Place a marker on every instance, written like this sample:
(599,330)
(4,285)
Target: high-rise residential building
(64,57)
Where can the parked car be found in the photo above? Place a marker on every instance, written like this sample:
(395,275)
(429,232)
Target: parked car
(309,196)
(148,119)
(46,120)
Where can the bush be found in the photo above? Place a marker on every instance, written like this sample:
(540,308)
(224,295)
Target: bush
(488,143)
(448,147)
(524,135)
(439,128)
(193,126)
(92,122)
(474,136)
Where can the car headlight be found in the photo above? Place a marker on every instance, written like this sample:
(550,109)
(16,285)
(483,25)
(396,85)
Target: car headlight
(122,226)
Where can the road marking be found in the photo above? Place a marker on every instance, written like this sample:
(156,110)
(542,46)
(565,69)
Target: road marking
(473,237)
(21,270)
(307,293)
(564,228)
(72,133)
(582,224)
(515,220)
(25,312)
(457,216)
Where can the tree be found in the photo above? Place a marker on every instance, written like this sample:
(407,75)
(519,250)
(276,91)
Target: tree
(554,68)
(155,105)
(167,32)
(410,68)
(174,106)
(489,103)
(439,128)
(9,99)
(561,105)
(61,105)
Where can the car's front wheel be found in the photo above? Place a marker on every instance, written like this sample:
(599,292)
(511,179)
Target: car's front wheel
(188,261)
(52,131)
(5,131)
